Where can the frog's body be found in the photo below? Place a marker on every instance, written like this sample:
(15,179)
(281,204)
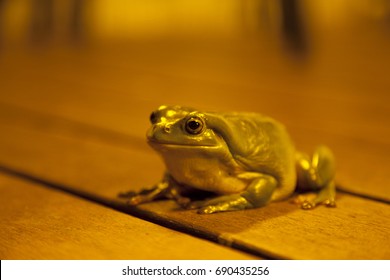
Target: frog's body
(245,158)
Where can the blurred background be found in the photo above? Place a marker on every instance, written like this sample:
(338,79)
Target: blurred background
(321,67)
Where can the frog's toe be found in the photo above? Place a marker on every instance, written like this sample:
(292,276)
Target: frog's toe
(306,201)
(329,203)
(303,199)
(131,197)
(208,210)
(308,205)
(135,200)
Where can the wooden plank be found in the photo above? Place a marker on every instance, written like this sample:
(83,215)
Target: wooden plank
(352,231)
(41,223)
(98,89)
(356,229)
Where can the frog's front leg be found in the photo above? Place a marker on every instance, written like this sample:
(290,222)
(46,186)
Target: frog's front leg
(258,193)
(316,174)
(166,188)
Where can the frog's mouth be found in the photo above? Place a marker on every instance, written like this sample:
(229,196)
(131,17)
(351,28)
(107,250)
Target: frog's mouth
(153,142)
(162,140)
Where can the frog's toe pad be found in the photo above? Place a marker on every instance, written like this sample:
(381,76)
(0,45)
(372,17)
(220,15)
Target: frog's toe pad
(131,197)
(329,203)
(307,205)
(135,200)
(303,199)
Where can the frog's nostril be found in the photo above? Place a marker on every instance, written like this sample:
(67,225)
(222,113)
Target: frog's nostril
(167,128)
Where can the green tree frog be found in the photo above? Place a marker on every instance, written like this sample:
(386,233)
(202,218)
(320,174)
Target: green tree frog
(246,159)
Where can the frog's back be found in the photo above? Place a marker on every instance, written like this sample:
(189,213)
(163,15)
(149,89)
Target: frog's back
(261,144)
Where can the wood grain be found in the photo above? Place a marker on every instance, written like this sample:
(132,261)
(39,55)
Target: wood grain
(41,223)
(356,229)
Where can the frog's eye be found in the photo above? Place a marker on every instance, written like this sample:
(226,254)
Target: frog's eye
(194,125)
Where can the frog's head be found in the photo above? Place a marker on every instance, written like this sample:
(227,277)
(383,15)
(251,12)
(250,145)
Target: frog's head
(180,126)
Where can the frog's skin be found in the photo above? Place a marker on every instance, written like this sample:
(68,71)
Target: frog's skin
(246,159)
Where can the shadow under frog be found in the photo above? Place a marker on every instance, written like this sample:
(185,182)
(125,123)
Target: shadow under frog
(246,160)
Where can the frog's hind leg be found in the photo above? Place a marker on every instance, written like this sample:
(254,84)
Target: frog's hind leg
(316,174)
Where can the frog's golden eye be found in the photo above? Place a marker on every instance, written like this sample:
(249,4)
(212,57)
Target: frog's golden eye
(194,125)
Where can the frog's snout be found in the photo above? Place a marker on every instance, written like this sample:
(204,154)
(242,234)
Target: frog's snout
(157,131)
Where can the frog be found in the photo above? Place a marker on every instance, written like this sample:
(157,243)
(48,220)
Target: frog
(245,160)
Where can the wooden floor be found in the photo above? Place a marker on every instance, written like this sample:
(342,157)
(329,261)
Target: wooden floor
(73,120)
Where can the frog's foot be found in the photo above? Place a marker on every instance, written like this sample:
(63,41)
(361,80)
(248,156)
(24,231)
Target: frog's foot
(133,198)
(316,172)
(220,204)
(161,190)
(146,195)
(224,203)
(326,197)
